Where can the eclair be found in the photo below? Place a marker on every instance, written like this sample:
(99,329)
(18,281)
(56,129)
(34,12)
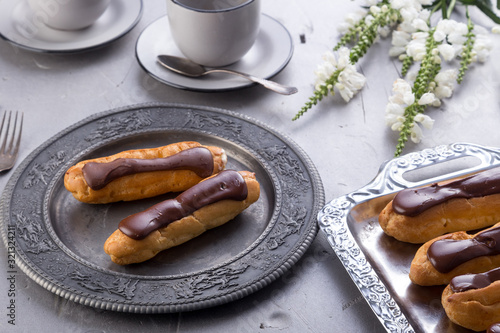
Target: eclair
(473,300)
(143,173)
(208,204)
(419,215)
(441,259)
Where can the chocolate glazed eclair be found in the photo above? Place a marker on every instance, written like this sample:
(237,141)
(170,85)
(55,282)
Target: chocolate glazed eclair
(207,205)
(441,259)
(473,300)
(143,173)
(419,215)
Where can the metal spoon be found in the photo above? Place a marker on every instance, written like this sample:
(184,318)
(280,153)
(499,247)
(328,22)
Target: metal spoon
(187,67)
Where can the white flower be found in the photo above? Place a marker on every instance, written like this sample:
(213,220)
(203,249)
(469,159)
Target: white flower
(407,4)
(409,98)
(399,101)
(445,27)
(420,36)
(420,25)
(400,38)
(398,4)
(399,41)
(427,98)
(396,51)
(424,14)
(458,36)
(416,48)
(416,133)
(350,82)
(331,64)
(323,73)
(446,77)
(343,57)
(482,47)
(394,116)
(402,93)
(444,84)
(411,76)
(439,35)
(450,31)
(425,120)
(414,18)
(369,19)
(375,10)
(384,31)
(350,21)
(444,91)
(496,29)
(447,51)
(330,58)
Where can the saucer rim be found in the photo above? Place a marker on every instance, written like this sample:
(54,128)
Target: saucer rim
(207,88)
(90,47)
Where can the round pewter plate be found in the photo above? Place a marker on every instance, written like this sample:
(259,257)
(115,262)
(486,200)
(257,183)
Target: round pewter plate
(59,241)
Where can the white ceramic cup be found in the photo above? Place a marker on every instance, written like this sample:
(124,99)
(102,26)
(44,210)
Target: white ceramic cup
(214,33)
(68,14)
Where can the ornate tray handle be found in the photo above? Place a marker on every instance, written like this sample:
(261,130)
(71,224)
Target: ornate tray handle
(333,217)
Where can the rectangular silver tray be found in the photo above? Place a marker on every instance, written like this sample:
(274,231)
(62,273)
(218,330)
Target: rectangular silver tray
(378,264)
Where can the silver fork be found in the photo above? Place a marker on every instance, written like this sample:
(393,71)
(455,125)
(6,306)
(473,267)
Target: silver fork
(10,148)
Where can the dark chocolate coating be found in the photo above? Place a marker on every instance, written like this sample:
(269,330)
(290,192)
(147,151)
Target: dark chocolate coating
(411,202)
(447,254)
(198,159)
(466,282)
(227,185)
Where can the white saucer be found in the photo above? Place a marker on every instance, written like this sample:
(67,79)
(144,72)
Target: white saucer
(271,52)
(20,27)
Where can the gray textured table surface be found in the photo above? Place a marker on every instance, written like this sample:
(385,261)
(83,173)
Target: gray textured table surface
(346,142)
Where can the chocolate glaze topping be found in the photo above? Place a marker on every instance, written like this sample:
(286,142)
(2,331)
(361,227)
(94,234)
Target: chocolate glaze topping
(447,254)
(411,202)
(495,328)
(198,160)
(474,281)
(227,185)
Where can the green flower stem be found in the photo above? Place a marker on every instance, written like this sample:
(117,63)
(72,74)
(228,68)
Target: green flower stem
(410,114)
(320,93)
(428,68)
(407,62)
(426,74)
(351,35)
(367,35)
(466,51)
(447,8)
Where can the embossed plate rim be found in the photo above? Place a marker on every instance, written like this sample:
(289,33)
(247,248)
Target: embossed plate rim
(333,222)
(135,291)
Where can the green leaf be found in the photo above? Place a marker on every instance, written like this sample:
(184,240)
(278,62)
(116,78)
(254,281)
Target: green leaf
(485,6)
(444,10)
(450,8)
(488,12)
(468,2)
